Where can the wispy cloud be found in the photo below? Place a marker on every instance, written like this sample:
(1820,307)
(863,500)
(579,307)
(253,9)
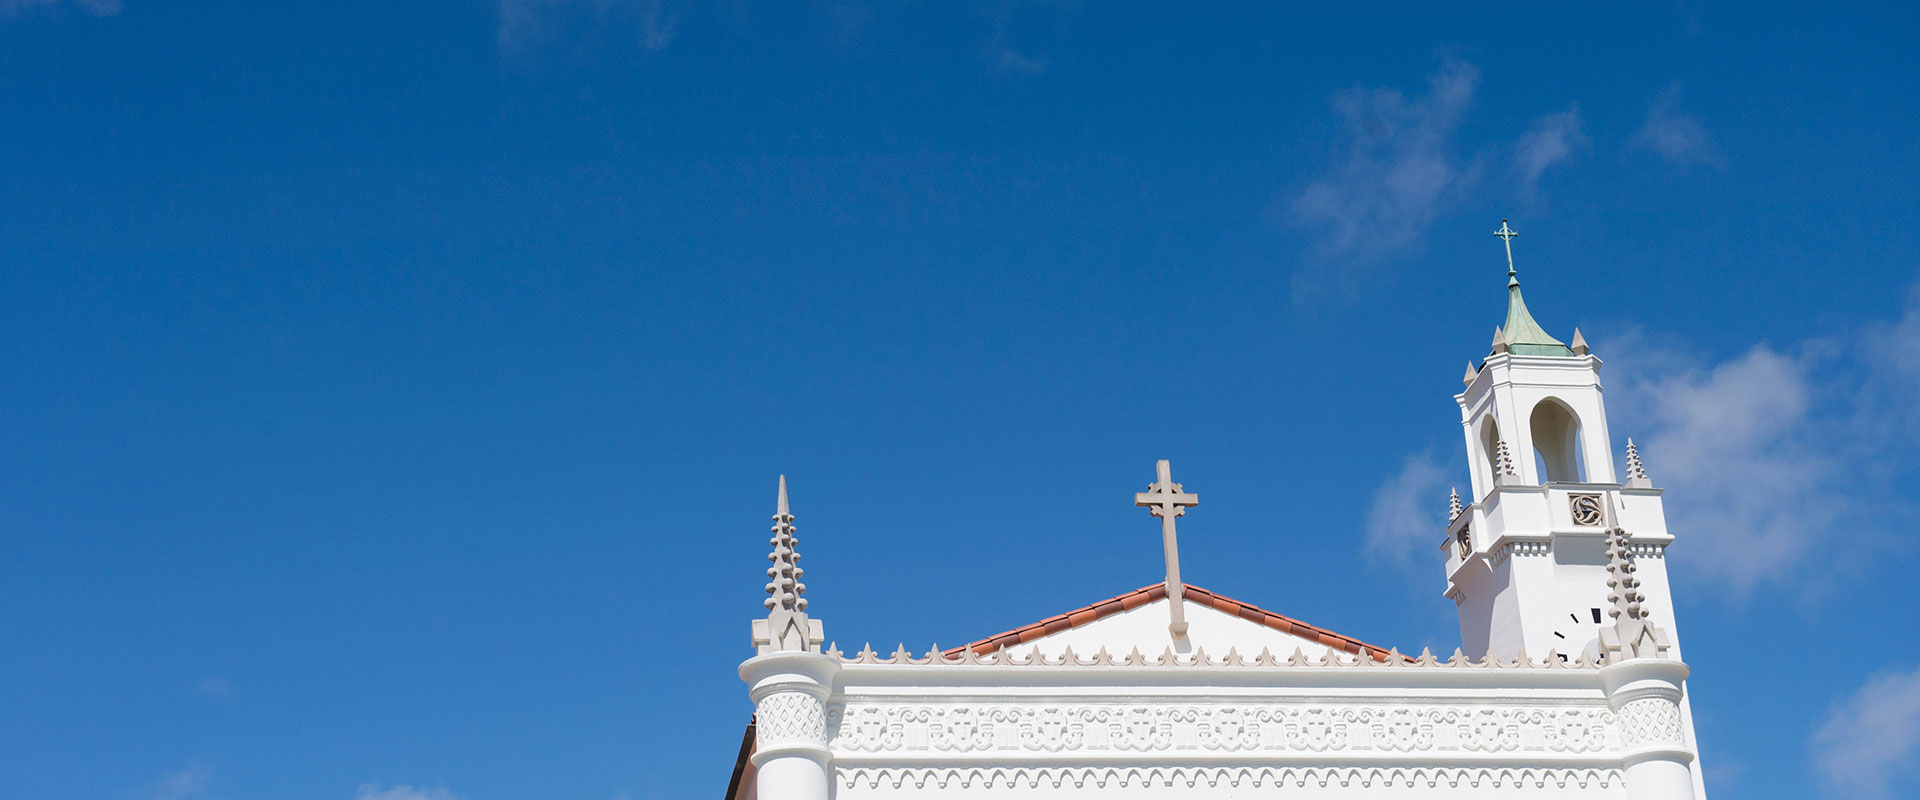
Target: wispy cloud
(1776,454)
(1870,742)
(1011,61)
(525,23)
(1894,350)
(98,8)
(656,26)
(1550,140)
(1000,49)
(1753,478)
(1676,136)
(372,791)
(1400,166)
(214,686)
(181,784)
(1405,518)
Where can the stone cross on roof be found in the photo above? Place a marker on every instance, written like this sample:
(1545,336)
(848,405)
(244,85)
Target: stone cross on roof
(1165,499)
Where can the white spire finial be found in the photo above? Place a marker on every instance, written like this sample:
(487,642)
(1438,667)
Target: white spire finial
(786,627)
(1499,340)
(1453,505)
(1471,374)
(1579,344)
(1633,634)
(1502,463)
(1636,473)
(1166,500)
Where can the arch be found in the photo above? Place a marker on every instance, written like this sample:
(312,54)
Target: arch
(1488,439)
(1556,442)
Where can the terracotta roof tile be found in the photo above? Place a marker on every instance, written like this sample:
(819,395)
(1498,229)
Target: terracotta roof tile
(1148,594)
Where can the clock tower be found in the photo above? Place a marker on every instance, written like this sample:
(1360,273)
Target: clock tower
(1527,559)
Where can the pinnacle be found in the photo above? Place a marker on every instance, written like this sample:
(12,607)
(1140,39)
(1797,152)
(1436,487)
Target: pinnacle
(1636,472)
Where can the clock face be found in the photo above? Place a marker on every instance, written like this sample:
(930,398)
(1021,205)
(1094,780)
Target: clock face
(1578,633)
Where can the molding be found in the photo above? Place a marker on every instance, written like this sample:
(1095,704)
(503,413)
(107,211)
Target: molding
(1125,729)
(1102,777)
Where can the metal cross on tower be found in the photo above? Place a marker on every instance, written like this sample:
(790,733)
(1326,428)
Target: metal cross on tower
(1165,500)
(1507,234)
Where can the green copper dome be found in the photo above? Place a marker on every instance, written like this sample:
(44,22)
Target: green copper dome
(1524,336)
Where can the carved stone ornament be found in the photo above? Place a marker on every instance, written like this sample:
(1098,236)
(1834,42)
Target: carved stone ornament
(1651,721)
(1194,777)
(1587,510)
(791,718)
(1095,728)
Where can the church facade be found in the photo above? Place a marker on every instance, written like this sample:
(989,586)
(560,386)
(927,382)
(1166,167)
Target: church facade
(1570,681)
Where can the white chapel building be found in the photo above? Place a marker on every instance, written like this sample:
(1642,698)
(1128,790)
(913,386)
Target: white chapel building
(1570,683)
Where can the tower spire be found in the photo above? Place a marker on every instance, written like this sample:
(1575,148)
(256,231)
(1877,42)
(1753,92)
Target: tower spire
(1524,337)
(786,627)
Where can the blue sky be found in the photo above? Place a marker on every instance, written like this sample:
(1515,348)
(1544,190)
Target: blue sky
(393,394)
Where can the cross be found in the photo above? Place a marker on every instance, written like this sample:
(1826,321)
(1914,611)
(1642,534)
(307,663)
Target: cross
(1165,500)
(1507,234)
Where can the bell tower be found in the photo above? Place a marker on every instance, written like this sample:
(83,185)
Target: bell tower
(1527,559)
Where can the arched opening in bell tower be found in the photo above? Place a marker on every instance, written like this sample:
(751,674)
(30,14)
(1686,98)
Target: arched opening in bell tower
(1483,465)
(1556,443)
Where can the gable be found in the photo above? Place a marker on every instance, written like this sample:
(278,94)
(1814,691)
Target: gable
(1138,619)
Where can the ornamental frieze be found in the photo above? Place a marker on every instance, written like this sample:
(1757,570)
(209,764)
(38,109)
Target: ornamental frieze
(1057,728)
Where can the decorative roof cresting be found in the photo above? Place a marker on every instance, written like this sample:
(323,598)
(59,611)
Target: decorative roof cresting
(787,627)
(1523,336)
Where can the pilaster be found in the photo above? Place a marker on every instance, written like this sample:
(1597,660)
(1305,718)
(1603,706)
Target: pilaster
(789,691)
(1645,694)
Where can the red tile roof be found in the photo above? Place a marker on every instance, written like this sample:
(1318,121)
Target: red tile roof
(1148,594)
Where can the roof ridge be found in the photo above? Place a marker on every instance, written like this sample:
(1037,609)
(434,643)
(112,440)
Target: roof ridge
(1147,594)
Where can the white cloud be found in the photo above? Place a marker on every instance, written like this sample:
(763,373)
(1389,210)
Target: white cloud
(1872,738)
(184,783)
(1677,137)
(1548,141)
(372,791)
(1405,519)
(1751,467)
(98,8)
(1400,166)
(1894,378)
